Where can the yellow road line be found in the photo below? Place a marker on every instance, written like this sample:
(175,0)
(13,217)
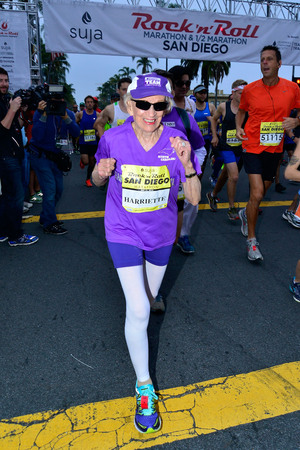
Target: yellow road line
(186,412)
(70,216)
(243,204)
(96,214)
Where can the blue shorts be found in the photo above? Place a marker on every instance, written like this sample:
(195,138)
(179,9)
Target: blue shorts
(125,255)
(229,156)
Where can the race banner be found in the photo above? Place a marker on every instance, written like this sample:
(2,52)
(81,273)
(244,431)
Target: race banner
(14,51)
(110,29)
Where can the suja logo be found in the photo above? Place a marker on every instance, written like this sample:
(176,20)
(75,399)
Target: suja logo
(86,33)
(86,18)
(4,26)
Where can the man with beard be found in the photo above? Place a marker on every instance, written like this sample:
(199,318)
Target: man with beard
(11,156)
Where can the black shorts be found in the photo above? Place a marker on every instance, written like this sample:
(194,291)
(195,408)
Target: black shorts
(180,204)
(264,164)
(88,149)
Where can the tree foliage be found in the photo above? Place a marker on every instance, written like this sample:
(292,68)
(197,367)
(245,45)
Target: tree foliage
(127,72)
(107,89)
(110,86)
(211,71)
(144,63)
(54,72)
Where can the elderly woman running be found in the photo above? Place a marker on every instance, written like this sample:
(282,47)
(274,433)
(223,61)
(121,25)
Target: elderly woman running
(145,162)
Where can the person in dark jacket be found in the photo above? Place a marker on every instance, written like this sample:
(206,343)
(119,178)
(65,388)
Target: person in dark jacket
(49,132)
(11,156)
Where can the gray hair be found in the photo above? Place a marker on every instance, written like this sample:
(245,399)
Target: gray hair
(128,98)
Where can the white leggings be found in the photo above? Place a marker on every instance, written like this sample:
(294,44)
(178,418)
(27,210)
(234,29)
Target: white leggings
(140,285)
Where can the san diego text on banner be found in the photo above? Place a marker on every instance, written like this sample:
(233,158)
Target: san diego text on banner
(107,29)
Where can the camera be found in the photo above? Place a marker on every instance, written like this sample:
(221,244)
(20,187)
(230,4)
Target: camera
(54,97)
(50,93)
(29,98)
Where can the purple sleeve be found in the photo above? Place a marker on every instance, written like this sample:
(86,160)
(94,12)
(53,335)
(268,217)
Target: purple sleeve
(196,139)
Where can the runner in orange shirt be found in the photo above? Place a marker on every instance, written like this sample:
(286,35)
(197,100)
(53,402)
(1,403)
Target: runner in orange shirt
(268,102)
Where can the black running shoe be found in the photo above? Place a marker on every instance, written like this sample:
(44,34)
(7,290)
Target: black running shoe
(55,229)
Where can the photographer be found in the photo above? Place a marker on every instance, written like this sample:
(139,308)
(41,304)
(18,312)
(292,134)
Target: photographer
(11,156)
(51,123)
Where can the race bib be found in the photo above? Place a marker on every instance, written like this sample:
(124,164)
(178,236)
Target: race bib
(89,135)
(271,133)
(180,195)
(203,126)
(61,143)
(145,188)
(231,138)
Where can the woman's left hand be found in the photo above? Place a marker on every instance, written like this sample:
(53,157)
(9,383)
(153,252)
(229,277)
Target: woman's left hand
(183,150)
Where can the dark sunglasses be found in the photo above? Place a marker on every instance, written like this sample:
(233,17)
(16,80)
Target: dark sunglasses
(182,83)
(142,104)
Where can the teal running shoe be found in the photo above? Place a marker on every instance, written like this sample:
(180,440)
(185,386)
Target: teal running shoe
(146,418)
(295,290)
(185,245)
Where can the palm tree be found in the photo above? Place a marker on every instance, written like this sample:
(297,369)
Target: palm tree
(69,94)
(54,71)
(107,89)
(219,69)
(193,65)
(126,72)
(211,71)
(145,63)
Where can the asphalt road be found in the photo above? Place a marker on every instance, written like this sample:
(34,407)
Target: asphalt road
(60,302)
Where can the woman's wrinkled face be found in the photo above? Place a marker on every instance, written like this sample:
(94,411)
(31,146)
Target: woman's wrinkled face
(149,120)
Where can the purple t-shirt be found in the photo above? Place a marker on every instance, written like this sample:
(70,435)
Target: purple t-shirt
(173,120)
(141,208)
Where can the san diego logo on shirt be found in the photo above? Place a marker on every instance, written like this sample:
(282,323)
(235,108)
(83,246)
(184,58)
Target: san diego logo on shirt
(145,188)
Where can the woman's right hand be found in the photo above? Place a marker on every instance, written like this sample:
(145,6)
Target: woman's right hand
(105,167)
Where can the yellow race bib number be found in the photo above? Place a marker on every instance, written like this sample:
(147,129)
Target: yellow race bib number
(203,126)
(89,135)
(231,138)
(145,188)
(271,133)
(180,195)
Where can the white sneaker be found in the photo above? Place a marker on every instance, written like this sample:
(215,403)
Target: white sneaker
(28,205)
(253,251)
(294,220)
